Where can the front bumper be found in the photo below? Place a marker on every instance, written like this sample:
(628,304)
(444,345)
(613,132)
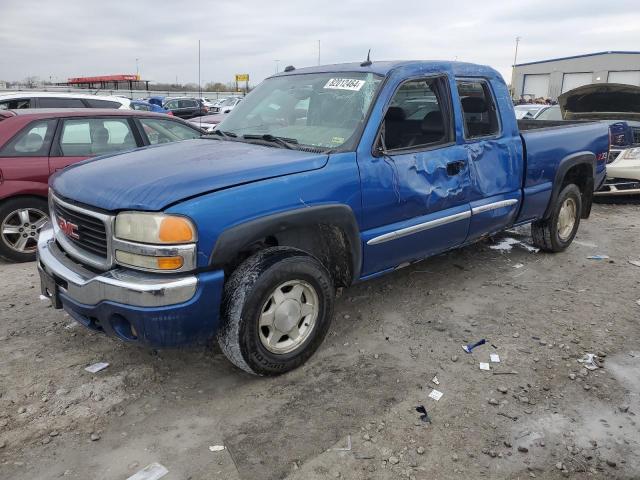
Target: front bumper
(151,309)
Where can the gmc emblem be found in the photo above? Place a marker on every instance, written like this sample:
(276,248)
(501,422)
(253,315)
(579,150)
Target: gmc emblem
(69,229)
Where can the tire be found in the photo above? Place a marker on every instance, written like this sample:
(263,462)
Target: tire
(258,292)
(556,233)
(17,241)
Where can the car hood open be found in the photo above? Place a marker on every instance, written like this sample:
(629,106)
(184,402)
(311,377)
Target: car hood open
(153,178)
(601,101)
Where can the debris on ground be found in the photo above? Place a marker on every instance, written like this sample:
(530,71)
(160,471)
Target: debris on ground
(635,262)
(153,471)
(435,380)
(436,395)
(96,367)
(348,447)
(598,257)
(484,366)
(590,361)
(518,265)
(494,357)
(424,416)
(471,346)
(216,448)
(507,244)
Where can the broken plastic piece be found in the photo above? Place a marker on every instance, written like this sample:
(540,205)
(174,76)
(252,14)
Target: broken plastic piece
(216,448)
(635,262)
(598,257)
(96,367)
(435,380)
(484,366)
(471,346)
(590,361)
(436,395)
(153,471)
(495,358)
(424,416)
(344,449)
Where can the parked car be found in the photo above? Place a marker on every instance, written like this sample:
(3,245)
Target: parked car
(148,107)
(529,110)
(549,113)
(207,122)
(20,100)
(37,143)
(186,107)
(246,234)
(156,100)
(227,105)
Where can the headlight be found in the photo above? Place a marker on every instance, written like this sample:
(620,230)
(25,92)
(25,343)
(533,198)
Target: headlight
(154,228)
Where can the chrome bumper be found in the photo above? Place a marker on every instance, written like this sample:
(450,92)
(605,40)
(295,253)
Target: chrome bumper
(119,285)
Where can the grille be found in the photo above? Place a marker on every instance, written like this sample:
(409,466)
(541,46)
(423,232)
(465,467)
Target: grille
(92,233)
(636,135)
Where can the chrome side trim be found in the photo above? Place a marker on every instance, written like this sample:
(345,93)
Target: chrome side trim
(403,232)
(493,206)
(80,254)
(118,285)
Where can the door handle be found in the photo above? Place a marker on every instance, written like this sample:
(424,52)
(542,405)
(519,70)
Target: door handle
(454,168)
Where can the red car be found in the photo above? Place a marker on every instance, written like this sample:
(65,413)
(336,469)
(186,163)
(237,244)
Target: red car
(34,143)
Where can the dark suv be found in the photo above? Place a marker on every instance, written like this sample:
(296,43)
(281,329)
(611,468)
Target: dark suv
(186,107)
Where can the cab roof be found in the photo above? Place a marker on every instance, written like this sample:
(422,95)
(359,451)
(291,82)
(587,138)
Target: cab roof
(79,112)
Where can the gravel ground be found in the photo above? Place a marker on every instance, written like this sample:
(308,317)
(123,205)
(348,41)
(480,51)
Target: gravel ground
(536,414)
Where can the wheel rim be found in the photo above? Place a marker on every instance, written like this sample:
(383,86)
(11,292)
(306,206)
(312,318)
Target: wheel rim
(288,316)
(21,228)
(567,218)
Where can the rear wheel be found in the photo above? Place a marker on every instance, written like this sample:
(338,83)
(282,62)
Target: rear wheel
(276,311)
(20,222)
(557,232)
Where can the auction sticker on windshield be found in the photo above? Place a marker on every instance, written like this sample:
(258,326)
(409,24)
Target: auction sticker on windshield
(345,84)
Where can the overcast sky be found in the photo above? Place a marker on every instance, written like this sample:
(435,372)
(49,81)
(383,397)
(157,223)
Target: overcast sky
(67,38)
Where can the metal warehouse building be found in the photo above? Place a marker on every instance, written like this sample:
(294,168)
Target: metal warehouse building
(550,78)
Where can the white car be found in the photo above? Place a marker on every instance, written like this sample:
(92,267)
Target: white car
(18,100)
(623,174)
(226,106)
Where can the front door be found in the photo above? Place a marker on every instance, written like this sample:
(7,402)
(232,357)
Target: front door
(415,184)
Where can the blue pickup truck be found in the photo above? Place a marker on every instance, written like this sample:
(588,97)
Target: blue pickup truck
(320,178)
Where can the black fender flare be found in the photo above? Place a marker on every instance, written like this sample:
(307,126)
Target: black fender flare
(579,158)
(232,240)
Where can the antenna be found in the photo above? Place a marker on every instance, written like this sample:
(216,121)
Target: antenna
(367,62)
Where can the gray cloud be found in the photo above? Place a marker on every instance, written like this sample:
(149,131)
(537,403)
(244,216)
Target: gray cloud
(68,38)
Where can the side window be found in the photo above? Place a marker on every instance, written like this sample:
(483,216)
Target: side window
(96,136)
(97,103)
(140,106)
(16,104)
(478,108)
(418,115)
(165,131)
(46,102)
(32,141)
(172,105)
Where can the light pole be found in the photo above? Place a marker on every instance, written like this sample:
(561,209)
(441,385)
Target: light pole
(513,68)
(137,69)
(277,65)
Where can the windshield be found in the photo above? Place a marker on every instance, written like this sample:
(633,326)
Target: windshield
(322,109)
(228,102)
(527,110)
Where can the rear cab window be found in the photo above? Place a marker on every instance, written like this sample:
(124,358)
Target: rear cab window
(478,107)
(32,141)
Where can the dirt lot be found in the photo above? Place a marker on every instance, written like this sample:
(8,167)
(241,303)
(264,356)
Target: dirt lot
(551,419)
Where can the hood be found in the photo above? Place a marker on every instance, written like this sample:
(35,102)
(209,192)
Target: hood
(601,101)
(154,177)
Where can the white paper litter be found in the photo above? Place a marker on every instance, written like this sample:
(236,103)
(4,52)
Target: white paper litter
(96,367)
(435,380)
(484,366)
(44,299)
(635,262)
(495,358)
(589,361)
(216,448)
(436,395)
(518,265)
(153,471)
(507,244)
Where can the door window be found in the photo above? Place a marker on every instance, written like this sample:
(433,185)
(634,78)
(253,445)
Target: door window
(97,103)
(141,106)
(96,136)
(172,105)
(165,131)
(16,104)
(46,102)
(478,109)
(418,116)
(32,141)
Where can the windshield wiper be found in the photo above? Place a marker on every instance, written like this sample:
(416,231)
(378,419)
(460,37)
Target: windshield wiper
(223,134)
(267,137)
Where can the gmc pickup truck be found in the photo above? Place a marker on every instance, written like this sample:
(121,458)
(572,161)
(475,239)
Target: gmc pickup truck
(320,178)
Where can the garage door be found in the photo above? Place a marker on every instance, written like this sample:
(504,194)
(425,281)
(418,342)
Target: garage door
(631,77)
(536,85)
(575,80)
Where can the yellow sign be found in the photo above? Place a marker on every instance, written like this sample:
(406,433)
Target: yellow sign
(242,77)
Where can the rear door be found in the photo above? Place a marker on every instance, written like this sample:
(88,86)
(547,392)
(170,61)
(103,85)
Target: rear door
(415,184)
(79,138)
(494,154)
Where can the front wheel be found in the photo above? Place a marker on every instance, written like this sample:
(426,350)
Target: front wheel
(276,311)
(20,222)
(557,232)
